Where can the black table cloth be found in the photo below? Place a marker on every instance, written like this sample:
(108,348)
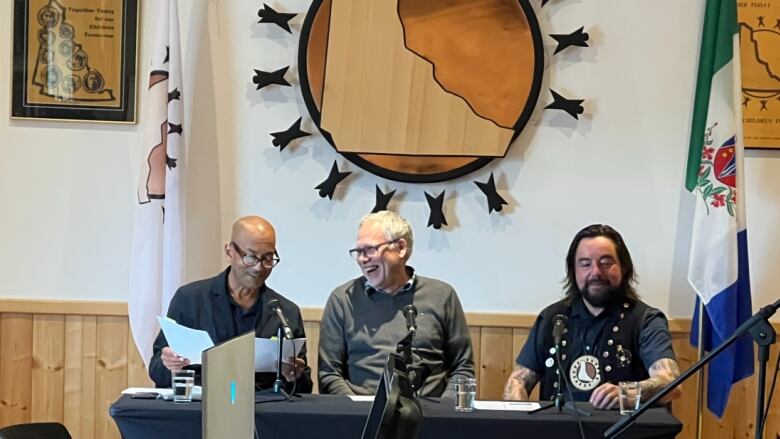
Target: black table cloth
(326,416)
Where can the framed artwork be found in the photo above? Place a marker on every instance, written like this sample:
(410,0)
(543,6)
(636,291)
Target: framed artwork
(759,32)
(75,60)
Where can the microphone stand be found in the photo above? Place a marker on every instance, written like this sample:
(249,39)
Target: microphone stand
(404,347)
(416,373)
(559,399)
(279,384)
(560,402)
(763,334)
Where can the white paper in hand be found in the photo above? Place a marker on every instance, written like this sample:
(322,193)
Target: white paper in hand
(266,350)
(186,342)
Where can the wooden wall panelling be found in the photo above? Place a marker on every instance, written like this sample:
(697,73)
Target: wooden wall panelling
(80,365)
(519,337)
(15,368)
(744,414)
(684,408)
(312,344)
(111,371)
(48,365)
(714,427)
(137,375)
(772,428)
(72,366)
(495,361)
(742,402)
(476,346)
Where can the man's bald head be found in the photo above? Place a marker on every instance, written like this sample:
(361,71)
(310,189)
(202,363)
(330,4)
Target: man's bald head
(253,227)
(251,235)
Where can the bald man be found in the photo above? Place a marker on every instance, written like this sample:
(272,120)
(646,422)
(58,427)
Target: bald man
(233,303)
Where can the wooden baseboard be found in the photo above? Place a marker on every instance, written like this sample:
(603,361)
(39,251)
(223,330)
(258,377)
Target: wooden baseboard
(63,307)
(310,314)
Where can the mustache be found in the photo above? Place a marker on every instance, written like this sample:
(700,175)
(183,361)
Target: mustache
(599,281)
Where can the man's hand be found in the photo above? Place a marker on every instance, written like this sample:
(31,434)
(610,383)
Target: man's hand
(662,372)
(291,373)
(172,360)
(605,396)
(520,383)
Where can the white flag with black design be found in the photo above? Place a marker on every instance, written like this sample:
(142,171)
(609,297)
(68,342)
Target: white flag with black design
(157,261)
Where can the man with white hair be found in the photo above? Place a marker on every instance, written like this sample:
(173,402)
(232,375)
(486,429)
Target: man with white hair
(363,319)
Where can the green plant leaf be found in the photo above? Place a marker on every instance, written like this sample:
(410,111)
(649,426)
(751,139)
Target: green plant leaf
(718,190)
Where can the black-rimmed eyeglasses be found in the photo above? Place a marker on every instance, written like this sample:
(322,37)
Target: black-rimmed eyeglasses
(267,260)
(369,251)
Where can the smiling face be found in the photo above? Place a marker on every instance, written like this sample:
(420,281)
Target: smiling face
(386,268)
(255,236)
(598,271)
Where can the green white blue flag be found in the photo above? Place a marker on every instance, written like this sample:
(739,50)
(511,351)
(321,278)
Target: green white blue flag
(718,269)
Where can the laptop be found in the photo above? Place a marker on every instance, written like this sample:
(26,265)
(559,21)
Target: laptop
(228,375)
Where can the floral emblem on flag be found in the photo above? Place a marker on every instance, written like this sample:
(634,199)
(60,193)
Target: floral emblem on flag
(717,182)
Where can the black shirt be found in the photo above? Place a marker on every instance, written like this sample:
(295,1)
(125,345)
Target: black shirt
(245,321)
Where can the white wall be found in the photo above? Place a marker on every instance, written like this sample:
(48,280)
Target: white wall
(68,189)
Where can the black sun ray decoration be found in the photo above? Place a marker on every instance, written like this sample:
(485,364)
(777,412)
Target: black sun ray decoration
(283,138)
(269,15)
(328,187)
(495,201)
(418,43)
(382,200)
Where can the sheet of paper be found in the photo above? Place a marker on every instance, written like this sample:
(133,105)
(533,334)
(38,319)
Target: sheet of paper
(187,342)
(362,398)
(517,406)
(266,350)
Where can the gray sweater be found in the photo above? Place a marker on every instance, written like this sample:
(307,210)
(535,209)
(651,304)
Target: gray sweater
(360,328)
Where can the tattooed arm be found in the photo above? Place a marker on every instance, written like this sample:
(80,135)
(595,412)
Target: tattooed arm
(520,383)
(662,372)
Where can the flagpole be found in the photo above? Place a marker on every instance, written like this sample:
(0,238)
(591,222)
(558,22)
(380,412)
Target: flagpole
(700,378)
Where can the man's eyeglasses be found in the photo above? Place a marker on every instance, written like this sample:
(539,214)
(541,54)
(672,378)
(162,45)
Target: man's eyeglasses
(267,261)
(369,251)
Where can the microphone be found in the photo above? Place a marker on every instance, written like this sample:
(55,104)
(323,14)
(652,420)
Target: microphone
(410,313)
(276,307)
(559,328)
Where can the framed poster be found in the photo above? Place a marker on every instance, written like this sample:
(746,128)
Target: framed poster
(75,60)
(759,32)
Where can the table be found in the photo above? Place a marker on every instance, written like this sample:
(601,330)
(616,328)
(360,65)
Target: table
(326,416)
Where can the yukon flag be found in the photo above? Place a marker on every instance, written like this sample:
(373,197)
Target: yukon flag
(156,264)
(718,270)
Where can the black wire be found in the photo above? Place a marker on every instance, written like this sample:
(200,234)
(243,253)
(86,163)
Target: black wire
(571,394)
(771,391)
(295,378)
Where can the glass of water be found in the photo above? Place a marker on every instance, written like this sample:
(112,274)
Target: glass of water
(465,394)
(630,396)
(183,382)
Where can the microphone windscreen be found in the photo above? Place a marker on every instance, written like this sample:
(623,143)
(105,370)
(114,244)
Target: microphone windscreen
(559,327)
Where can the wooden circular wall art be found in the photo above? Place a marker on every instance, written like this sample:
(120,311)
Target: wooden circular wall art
(418,91)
